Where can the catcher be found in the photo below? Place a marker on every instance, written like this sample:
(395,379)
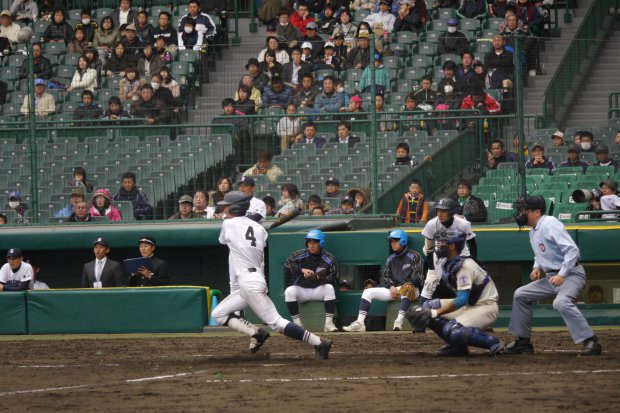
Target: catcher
(460,321)
(402,280)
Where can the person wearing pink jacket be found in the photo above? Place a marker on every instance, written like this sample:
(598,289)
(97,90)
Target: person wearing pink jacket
(102,206)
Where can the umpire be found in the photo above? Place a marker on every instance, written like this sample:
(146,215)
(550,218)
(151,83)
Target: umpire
(558,256)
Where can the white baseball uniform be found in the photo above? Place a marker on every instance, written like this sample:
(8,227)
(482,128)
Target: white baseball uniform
(257,206)
(22,275)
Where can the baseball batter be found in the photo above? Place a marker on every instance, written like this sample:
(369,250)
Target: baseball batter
(402,280)
(461,321)
(446,209)
(314,272)
(557,255)
(16,274)
(246,240)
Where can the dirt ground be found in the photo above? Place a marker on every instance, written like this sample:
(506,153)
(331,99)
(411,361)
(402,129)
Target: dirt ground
(375,372)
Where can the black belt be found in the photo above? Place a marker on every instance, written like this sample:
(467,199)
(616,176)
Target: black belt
(556,271)
(251,269)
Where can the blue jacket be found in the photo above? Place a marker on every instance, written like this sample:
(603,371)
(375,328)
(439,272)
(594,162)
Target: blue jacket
(330,104)
(271,98)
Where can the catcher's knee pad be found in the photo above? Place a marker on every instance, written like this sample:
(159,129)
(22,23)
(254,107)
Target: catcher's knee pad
(290,294)
(455,333)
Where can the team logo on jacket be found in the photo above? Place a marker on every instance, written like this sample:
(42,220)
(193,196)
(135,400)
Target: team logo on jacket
(406,266)
(542,247)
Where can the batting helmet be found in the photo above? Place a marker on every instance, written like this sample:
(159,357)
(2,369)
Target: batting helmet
(530,202)
(238,202)
(316,235)
(400,235)
(448,204)
(446,236)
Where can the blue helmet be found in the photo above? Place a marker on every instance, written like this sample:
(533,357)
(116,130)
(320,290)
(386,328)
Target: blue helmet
(317,235)
(447,236)
(400,235)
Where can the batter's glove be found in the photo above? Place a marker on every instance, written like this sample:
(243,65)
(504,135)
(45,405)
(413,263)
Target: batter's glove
(407,290)
(419,318)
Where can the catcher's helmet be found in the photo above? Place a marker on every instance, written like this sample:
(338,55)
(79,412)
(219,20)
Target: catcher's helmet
(530,202)
(447,236)
(238,202)
(317,235)
(400,235)
(448,204)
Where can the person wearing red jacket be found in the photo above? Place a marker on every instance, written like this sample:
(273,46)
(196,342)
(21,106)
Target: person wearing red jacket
(481,100)
(301,18)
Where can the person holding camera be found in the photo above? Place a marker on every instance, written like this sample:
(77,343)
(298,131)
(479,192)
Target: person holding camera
(609,199)
(539,160)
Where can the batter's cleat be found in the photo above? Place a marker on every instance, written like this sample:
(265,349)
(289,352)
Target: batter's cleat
(496,348)
(398,325)
(330,327)
(258,340)
(322,350)
(452,351)
(591,348)
(517,347)
(355,326)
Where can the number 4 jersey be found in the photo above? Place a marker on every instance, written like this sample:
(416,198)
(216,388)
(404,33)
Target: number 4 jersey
(246,240)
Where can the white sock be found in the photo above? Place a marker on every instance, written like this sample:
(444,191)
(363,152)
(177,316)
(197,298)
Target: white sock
(313,339)
(296,320)
(243,326)
(401,315)
(329,318)
(361,317)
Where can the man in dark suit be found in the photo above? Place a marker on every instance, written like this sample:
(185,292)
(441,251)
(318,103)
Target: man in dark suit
(309,136)
(102,272)
(145,277)
(344,135)
(294,71)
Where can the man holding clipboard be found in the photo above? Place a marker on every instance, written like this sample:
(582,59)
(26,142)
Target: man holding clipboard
(147,270)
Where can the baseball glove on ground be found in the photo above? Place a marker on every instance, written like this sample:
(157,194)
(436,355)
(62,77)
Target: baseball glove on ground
(419,317)
(407,290)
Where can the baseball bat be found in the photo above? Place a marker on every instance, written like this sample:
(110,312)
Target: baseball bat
(283,220)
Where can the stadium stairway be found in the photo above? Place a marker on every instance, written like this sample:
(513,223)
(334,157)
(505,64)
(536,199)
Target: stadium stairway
(591,101)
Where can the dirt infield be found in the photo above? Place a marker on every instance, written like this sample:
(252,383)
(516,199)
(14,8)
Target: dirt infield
(372,372)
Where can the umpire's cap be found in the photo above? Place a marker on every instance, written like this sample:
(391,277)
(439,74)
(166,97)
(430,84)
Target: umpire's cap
(147,239)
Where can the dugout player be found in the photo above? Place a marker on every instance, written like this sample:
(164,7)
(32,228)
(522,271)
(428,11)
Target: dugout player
(246,240)
(403,268)
(16,274)
(461,321)
(313,272)
(145,277)
(557,255)
(446,209)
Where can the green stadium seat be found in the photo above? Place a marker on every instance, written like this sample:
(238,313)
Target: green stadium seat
(600,170)
(405,37)
(437,24)
(54,48)
(413,73)
(39,27)
(432,36)
(441,59)
(469,24)
(427,49)
(483,47)
(493,22)
(569,212)
(353,75)
(445,13)
(100,12)
(421,61)
(360,15)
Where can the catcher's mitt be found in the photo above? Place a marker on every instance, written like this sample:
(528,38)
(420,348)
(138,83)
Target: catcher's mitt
(419,317)
(407,290)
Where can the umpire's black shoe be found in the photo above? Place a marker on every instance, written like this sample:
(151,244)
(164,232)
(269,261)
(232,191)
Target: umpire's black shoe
(258,340)
(322,350)
(591,348)
(452,351)
(519,347)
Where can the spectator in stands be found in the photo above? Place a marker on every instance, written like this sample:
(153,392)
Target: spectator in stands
(133,44)
(290,200)
(273,43)
(278,94)
(285,31)
(413,207)
(243,103)
(288,127)
(301,18)
(257,210)
(449,77)
(603,159)
(170,82)
(403,156)
(306,54)
(346,207)
(328,101)
(609,198)
(258,78)
(314,201)
(382,77)
(305,97)
(426,96)
(80,181)
(473,9)
(531,17)
(539,160)
(79,43)
(264,166)
(167,32)
(359,57)
(149,63)
(58,31)
(233,116)
(77,195)
(345,30)
(201,204)
(255,95)
(115,111)
(497,154)
(449,95)
(480,100)
(343,135)
(270,65)
(129,191)
(85,77)
(471,207)
(383,16)
(498,8)
(270,205)
(309,136)
(42,65)
(294,71)
(408,18)
(361,197)
(102,272)
(87,25)
(369,5)
(92,55)
(328,21)
(413,117)
(44,103)
(46,8)
(25,11)
(106,37)
(118,62)
(124,15)
(315,40)
(595,295)
(558,139)
(153,111)
(144,29)
(102,206)
(204,24)
(130,85)
(3,219)
(529,43)
(617,138)
(8,28)
(587,141)
(87,109)
(452,41)
(465,73)
(573,158)
(329,61)
(352,112)
(387,121)
(223,186)
(15,204)
(332,188)
(186,205)
(498,63)
(189,36)
(80,212)
(480,70)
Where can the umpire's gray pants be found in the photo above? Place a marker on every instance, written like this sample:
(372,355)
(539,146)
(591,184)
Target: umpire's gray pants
(564,303)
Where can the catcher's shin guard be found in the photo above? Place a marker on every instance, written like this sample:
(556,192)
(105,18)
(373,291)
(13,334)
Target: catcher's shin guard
(457,334)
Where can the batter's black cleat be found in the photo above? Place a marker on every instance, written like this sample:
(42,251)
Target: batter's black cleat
(452,351)
(519,347)
(591,348)
(322,350)
(258,340)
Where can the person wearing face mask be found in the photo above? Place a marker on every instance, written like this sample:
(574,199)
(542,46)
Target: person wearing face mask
(15,204)
(87,24)
(587,142)
(188,38)
(452,41)
(449,95)
(449,78)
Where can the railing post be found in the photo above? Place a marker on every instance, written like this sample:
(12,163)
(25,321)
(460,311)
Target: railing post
(253,25)
(519,110)
(237,39)
(32,133)
(568,18)
(373,125)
